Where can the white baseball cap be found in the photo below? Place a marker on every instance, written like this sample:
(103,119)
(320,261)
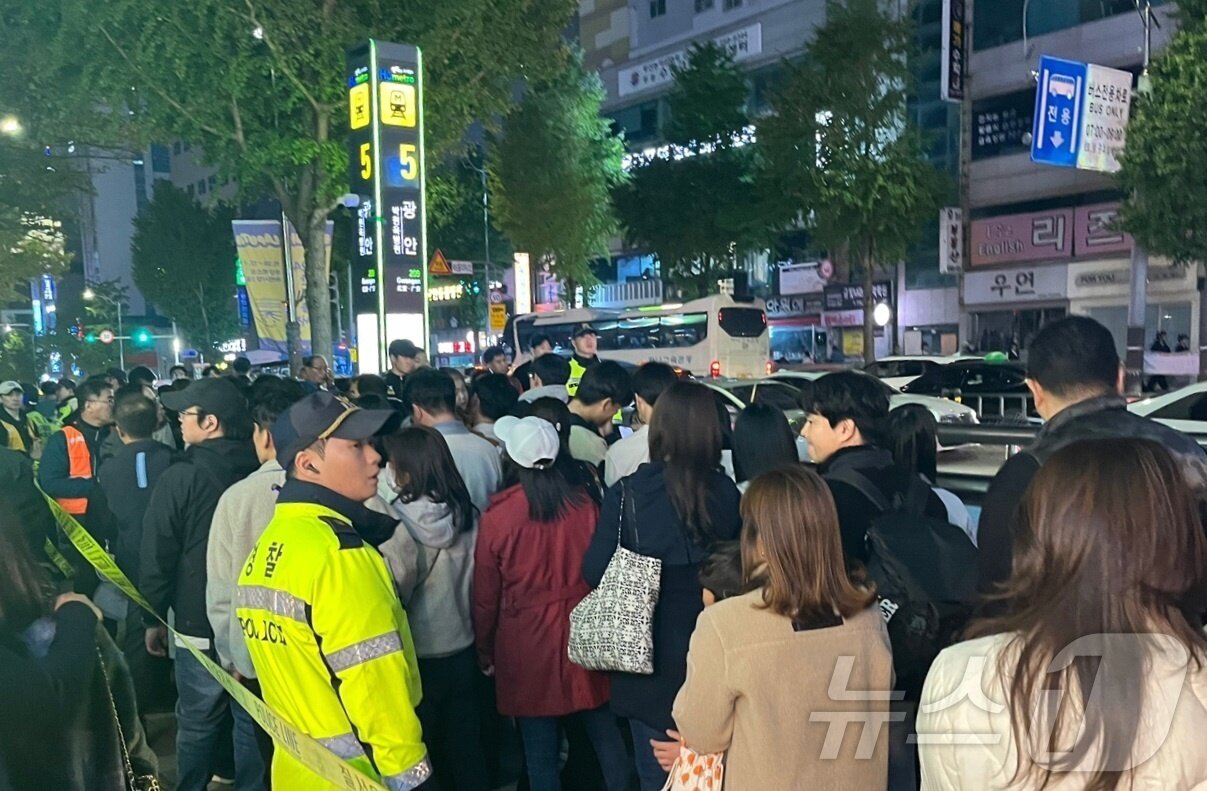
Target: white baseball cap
(530,442)
(10,387)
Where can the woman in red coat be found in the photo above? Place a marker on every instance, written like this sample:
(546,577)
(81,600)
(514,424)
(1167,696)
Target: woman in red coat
(527,579)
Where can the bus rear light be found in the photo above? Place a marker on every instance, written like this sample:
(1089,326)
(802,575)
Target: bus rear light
(714,370)
(771,367)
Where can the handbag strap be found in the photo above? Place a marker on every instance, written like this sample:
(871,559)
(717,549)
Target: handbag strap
(117,721)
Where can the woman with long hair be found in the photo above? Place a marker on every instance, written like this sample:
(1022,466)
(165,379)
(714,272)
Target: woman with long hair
(435,509)
(762,441)
(527,579)
(1094,677)
(59,727)
(763,664)
(914,441)
(675,509)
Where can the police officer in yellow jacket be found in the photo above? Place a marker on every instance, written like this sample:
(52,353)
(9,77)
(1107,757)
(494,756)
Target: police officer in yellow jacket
(585,342)
(329,640)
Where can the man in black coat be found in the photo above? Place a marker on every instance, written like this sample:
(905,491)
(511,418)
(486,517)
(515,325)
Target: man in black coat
(847,417)
(216,425)
(1076,377)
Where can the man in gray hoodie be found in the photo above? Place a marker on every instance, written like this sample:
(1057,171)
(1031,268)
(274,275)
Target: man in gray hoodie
(548,374)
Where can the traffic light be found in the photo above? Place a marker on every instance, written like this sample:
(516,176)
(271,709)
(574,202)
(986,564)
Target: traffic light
(142,337)
(90,338)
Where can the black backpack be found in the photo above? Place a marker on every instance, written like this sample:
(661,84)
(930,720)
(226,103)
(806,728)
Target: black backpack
(925,570)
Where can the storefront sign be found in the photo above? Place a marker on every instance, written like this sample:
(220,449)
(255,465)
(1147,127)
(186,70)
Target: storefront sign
(1022,237)
(1102,279)
(783,307)
(951,82)
(1001,123)
(843,318)
(1094,234)
(1026,284)
(801,279)
(951,240)
(742,44)
(850,297)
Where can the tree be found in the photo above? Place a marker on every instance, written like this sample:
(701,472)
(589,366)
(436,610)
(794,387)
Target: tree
(837,152)
(552,169)
(259,84)
(697,213)
(1166,153)
(31,239)
(184,262)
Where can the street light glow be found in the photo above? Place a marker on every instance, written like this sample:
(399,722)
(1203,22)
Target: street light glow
(882,314)
(9,125)
(89,294)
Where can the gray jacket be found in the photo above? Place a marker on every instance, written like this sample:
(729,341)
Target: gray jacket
(548,391)
(477,460)
(440,604)
(243,512)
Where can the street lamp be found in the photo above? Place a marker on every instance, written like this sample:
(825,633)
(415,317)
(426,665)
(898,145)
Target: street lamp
(10,125)
(90,295)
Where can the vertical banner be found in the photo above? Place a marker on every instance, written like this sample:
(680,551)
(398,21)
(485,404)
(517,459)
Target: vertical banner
(386,169)
(954,50)
(951,240)
(258,243)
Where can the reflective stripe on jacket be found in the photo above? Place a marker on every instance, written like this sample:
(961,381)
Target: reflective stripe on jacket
(79,461)
(332,646)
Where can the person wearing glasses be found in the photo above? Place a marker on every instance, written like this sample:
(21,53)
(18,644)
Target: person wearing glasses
(67,471)
(315,373)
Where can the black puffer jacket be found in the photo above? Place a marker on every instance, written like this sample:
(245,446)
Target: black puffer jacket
(176,528)
(1105,417)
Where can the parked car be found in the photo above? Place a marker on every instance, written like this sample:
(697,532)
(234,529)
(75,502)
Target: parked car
(736,394)
(899,370)
(1184,409)
(944,410)
(993,389)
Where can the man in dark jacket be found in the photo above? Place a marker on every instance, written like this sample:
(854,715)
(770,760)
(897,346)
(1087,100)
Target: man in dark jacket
(126,482)
(847,412)
(216,425)
(404,359)
(23,505)
(1075,375)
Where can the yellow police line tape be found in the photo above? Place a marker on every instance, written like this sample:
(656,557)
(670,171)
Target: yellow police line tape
(310,753)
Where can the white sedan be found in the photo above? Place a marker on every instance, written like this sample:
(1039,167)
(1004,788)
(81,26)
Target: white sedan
(944,410)
(899,370)
(1184,409)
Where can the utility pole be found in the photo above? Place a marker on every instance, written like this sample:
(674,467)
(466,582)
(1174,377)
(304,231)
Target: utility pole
(1137,306)
(966,167)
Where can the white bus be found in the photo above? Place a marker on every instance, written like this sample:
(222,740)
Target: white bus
(714,336)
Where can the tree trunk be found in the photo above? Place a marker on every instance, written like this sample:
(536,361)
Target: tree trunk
(205,319)
(869,304)
(317,297)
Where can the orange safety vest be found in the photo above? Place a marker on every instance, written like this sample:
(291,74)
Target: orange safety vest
(79,460)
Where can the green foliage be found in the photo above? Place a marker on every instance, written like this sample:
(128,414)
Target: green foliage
(456,228)
(837,151)
(184,262)
(700,212)
(31,240)
(17,360)
(269,111)
(1166,154)
(552,169)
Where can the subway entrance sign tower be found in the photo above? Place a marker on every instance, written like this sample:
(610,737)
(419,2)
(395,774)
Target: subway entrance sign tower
(386,169)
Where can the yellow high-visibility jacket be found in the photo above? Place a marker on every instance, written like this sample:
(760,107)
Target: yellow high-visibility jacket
(330,641)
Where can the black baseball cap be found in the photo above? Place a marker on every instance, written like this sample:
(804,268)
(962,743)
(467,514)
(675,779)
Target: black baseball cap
(322,415)
(218,397)
(584,329)
(404,348)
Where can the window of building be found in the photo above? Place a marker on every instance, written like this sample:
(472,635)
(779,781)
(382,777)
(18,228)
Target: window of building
(657,8)
(729,5)
(191,190)
(161,159)
(176,148)
(212,181)
(1001,21)
(201,187)
(140,185)
(705,5)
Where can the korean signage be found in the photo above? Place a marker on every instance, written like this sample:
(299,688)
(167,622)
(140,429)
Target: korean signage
(951,240)
(1081,114)
(1100,279)
(1007,286)
(850,297)
(800,305)
(951,87)
(386,169)
(742,44)
(1044,236)
(1001,123)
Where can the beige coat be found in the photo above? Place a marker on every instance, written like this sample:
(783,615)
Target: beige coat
(788,707)
(965,697)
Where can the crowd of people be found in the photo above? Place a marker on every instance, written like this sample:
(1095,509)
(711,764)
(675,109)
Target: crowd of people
(397,564)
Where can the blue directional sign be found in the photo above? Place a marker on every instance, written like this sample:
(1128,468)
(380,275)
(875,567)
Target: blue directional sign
(1059,104)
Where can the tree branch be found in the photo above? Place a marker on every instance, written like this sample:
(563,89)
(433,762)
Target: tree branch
(319,107)
(164,95)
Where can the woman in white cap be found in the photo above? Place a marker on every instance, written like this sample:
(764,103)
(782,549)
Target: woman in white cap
(527,579)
